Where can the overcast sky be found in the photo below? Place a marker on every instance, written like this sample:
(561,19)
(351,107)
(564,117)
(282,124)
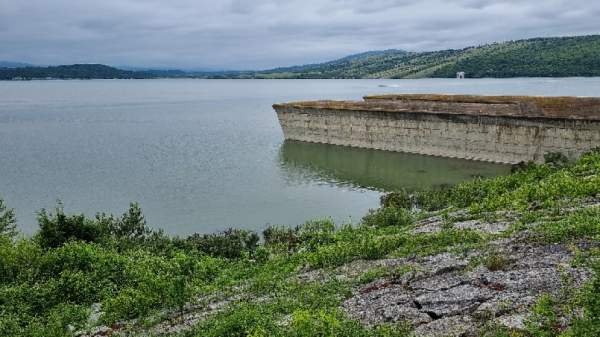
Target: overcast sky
(255,34)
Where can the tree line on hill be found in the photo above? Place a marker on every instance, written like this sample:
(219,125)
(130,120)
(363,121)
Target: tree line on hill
(537,57)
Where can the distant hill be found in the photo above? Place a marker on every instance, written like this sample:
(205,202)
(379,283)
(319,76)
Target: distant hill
(352,66)
(539,57)
(75,71)
(85,71)
(9,64)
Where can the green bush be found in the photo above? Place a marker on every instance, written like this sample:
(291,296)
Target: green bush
(126,232)
(331,323)
(281,235)
(242,320)
(399,199)
(589,324)
(19,261)
(58,228)
(8,222)
(556,159)
(543,321)
(433,200)
(316,233)
(308,236)
(388,216)
(132,225)
(578,225)
(231,243)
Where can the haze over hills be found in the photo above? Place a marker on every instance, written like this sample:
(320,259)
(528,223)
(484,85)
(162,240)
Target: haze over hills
(10,64)
(537,57)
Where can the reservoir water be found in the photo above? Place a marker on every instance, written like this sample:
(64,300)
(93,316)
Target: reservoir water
(204,155)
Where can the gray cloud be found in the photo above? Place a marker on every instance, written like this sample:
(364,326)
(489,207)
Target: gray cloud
(252,34)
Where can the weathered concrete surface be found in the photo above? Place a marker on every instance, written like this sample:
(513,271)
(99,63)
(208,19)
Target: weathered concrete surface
(457,301)
(504,129)
(566,107)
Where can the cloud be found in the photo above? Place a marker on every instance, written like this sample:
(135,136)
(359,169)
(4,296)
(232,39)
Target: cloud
(244,34)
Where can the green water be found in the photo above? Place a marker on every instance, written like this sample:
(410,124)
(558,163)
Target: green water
(378,170)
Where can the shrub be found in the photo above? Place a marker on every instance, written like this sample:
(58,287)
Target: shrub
(131,226)
(59,228)
(310,235)
(388,216)
(544,321)
(242,320)
(19,260)
(316,233)
(400,199)
(521,166)
(589,324)
(8,223)
(281,235)
(307,324)
(128,303)
(496,261)
(332,255)
(366,246)
(556,159)
(231,243)
(331,323)
(578,225)
(433,200)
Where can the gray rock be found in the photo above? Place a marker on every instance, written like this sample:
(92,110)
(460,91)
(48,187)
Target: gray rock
(454,326)
(483,226)
(443,263)
(446,299)
(461,299)
(95,313)
(438,282)
(513,322)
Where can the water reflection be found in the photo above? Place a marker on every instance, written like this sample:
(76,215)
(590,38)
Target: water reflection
(373,169)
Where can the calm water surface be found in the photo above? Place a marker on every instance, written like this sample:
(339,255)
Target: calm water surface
(203,155)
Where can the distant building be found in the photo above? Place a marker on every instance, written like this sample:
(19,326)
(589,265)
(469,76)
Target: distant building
(460,75)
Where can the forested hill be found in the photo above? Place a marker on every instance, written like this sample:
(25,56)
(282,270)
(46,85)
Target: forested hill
(539,57)
(82,71)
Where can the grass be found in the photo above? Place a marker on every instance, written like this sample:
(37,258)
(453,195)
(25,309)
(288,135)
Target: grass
(49,282)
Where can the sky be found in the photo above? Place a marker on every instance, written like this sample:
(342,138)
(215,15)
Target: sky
(260,34)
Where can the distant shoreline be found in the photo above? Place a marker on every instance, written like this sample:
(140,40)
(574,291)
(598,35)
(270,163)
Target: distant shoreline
(555,57)
(276,79)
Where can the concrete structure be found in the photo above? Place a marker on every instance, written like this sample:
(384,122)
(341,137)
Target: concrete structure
(503,129)
(460,75)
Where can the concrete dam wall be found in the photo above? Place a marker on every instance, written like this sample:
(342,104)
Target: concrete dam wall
(502,129)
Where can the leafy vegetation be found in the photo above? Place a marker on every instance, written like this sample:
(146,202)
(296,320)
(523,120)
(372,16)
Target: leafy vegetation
(50,282)
(538,57)
(542,57)
(8,223)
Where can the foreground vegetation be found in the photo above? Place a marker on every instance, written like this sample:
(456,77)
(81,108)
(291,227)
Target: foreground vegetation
(51,284)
